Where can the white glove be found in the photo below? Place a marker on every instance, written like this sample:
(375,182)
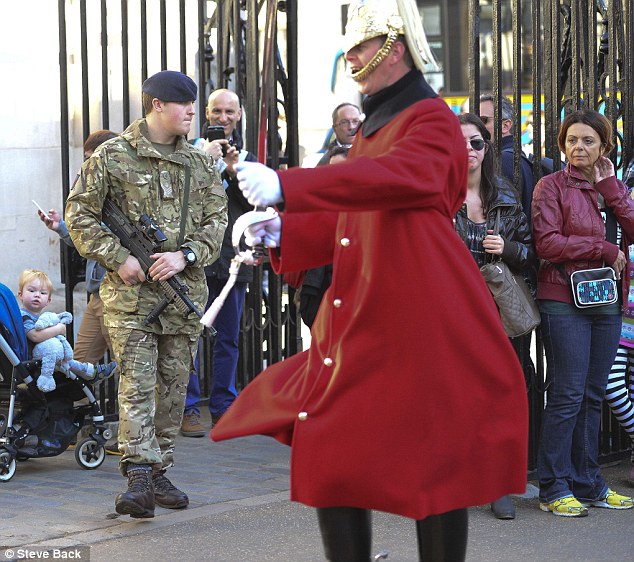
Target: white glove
(268,232)
(259,184)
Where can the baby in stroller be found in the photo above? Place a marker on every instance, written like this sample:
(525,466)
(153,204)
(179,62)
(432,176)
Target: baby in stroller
(47,331)
(34,424)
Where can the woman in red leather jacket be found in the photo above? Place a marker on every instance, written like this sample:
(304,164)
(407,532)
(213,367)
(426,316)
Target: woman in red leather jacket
(571,233)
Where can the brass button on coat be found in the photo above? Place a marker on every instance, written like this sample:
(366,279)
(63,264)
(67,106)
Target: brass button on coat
(328,361)
(336,303)
(303,416)
(345,242)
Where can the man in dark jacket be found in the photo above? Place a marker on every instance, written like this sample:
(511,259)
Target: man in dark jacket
(223,109)
(507,149)
(346,118)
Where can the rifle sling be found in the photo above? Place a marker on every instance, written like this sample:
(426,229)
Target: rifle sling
(185,206)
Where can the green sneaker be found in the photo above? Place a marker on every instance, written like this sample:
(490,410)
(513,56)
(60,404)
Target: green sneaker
(612,500)
(568,506)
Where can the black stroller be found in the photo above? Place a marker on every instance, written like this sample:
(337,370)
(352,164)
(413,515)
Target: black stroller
(46,423)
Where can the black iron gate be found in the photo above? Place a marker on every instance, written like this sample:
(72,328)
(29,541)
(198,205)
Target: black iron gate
(270,328)
(581,55)
(565,53)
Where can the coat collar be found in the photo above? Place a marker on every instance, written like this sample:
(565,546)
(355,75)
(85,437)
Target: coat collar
(574,177)
(383,106)
(136,134)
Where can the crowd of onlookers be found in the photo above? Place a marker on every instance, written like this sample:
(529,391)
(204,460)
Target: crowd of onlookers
(580,217)
(576,218)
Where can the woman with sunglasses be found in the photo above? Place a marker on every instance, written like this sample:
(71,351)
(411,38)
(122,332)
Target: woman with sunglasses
(575,216)
(488,192)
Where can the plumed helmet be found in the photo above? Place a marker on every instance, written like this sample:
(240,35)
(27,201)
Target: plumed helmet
(375,18)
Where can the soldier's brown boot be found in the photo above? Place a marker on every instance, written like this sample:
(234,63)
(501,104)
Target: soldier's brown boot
(138,500)
(167,495)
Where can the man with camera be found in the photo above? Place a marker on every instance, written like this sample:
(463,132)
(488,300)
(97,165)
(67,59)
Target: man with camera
(224,144)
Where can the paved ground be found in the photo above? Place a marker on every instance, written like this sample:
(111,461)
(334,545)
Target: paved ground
(240,512)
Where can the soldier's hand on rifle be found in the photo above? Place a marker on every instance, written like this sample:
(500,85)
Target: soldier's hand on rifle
(167,265)
(131,271)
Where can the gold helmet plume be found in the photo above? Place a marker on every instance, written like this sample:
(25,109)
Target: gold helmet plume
(374,18)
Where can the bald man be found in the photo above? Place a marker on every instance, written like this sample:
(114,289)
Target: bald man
(223,109)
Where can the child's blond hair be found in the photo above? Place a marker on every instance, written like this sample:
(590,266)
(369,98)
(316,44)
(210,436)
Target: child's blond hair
(31,275)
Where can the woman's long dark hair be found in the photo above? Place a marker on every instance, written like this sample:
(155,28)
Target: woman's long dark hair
(488,185)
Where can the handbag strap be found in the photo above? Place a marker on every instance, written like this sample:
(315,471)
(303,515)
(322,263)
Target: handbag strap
(492,258)
(562,271)
(496,228)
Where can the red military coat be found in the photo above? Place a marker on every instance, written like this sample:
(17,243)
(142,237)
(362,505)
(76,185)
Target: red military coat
(410,399)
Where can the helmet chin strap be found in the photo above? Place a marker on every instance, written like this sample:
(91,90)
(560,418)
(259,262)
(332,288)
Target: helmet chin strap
(378,58)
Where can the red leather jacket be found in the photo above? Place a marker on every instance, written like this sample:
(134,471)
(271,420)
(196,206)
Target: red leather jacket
(568,229)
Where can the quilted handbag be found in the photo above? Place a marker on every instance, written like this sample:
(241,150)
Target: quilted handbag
(518,310)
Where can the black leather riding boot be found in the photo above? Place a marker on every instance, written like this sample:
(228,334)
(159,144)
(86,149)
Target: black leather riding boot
(443,538)
(346,533)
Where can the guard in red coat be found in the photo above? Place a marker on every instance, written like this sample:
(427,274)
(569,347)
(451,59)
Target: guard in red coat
(410,399)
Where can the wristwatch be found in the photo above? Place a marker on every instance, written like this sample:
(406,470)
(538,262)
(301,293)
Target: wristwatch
(190,257)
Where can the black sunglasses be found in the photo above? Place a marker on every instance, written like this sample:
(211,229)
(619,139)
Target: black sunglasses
(476,144)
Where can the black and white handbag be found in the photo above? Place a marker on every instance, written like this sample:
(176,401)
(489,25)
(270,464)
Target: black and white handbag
(594,287)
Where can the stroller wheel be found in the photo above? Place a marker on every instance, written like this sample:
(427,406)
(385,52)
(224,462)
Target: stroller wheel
(89,454)
(7,466)
(3,425)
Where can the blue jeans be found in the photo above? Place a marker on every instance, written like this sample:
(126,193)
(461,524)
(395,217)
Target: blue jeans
(580,350)
(225,353)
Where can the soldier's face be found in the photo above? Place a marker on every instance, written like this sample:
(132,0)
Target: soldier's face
(358,57)
(176,117)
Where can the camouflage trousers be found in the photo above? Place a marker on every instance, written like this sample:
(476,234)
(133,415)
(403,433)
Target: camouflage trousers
(154,371)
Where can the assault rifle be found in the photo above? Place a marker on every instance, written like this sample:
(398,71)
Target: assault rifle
(143,240)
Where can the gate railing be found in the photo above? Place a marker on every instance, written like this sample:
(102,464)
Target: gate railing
(217,56)
(582,55)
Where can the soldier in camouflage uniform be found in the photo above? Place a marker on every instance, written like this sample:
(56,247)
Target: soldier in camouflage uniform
(146,170)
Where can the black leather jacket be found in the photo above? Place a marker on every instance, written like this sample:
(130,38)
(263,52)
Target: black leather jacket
(519,251)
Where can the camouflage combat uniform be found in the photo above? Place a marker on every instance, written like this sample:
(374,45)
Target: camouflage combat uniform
(155,360)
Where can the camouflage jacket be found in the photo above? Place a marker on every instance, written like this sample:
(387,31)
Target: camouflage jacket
(139,179)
